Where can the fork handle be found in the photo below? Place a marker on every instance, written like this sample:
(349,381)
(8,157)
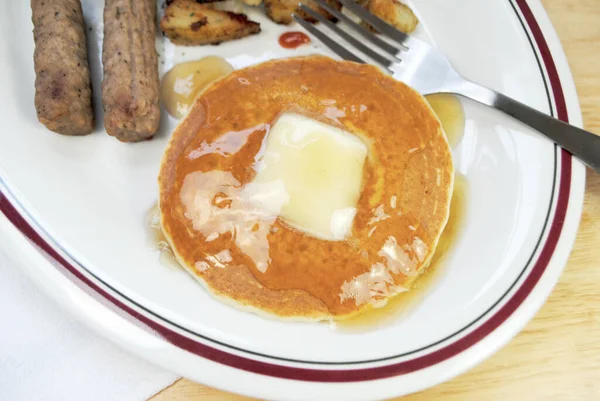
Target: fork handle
(582,144)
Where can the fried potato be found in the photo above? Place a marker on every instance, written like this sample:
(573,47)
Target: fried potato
(188,23)
(197,1)
(247,2)
(281,11)
(393,12)
(252,2)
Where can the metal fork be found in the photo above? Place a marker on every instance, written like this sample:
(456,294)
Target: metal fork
(426,69)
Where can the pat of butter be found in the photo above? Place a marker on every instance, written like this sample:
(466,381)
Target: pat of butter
(310,174)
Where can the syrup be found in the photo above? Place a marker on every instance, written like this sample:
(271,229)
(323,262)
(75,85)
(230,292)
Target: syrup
(183,83)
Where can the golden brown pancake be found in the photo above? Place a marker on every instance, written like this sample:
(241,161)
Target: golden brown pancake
(403,208)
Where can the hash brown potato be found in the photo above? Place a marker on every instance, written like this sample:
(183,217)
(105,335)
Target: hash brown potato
(280,11)
(395,13)
(200,22)
(189,23)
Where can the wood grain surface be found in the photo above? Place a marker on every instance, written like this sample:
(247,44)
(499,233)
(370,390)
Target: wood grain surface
(557,355)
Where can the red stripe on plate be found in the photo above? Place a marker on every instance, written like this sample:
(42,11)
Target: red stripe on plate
(354,375)
(559,97)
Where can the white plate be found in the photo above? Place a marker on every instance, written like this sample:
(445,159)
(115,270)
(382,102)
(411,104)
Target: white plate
(83,201)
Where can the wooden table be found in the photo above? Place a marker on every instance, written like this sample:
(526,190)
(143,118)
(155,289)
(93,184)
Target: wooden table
(557,355)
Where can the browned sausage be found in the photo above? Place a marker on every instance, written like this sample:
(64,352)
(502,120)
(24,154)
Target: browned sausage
(63,90)
(130,86)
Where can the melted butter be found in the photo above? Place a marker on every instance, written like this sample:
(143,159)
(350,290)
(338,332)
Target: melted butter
(313,174)
(382,315)
(377,285)
(157,240)
(226,145)
(372,287)
(182,83)
(217,204)
(451,114)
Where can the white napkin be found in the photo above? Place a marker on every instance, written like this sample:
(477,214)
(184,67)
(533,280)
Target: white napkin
(45,354)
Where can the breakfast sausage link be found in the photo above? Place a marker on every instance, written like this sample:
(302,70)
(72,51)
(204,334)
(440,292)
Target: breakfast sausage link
(130,93)
(63,90)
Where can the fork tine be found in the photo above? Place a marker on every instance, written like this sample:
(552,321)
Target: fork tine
(377,23)
(349,38)
(388,48)
(339,50)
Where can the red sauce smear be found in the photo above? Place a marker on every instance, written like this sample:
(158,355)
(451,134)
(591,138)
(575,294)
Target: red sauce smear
(291,40)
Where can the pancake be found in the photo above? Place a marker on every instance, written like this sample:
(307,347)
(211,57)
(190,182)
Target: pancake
(258,262)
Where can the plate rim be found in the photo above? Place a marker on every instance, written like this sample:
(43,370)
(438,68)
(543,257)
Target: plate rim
(571,172)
